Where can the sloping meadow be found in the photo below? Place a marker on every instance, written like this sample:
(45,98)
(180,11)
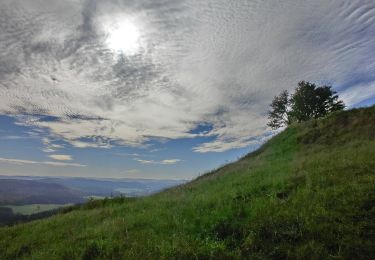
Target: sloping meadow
(306,193)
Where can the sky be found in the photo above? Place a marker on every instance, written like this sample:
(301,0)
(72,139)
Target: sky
(165,89)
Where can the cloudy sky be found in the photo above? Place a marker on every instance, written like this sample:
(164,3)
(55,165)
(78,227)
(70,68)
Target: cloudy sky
(165,88)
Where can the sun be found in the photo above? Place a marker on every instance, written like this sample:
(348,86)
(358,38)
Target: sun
(124,37)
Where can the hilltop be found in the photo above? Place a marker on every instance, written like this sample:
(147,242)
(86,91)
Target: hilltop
(309,192)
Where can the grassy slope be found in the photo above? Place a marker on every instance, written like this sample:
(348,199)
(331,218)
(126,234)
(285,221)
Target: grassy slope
(307,193)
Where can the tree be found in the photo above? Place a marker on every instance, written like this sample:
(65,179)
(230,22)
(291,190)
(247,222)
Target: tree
(307,102)
(278,113)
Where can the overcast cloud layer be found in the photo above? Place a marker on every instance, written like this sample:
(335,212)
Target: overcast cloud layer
(197,62)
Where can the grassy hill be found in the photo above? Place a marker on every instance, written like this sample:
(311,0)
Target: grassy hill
(307,193)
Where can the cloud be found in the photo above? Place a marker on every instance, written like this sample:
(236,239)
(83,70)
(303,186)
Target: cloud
(358,93)
(48,150)
(170,161)
(222,144)
(59,164)
(61,157)
(164,162)
(49,146)
(133,171)
(217,62)
(13,137)
(127,154)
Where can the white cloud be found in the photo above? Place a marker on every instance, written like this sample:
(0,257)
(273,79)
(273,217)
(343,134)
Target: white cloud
(358,93)
(60,164)
(61,157)
(165,162)
(215,62)
(13,137)
(127,154)
(170,161)
(49,146)
(133,171)
(48,150)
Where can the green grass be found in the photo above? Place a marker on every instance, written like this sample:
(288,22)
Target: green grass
(34,208)
(308,193)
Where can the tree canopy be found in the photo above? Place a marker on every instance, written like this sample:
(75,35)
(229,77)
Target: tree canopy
(307,102)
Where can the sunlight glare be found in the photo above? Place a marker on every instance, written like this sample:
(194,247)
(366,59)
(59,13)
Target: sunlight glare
(124,38)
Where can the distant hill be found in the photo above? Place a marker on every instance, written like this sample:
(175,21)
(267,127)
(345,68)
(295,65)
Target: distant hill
(113,187)
(53,192)
(20,192)
(28,190)
(308,193)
